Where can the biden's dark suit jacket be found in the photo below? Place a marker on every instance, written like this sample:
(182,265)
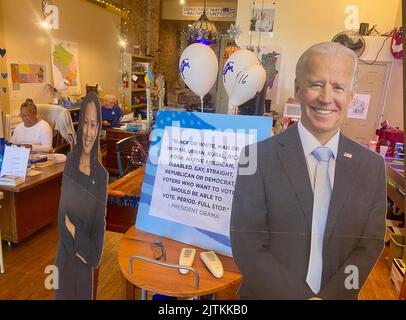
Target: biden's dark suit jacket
(272,216)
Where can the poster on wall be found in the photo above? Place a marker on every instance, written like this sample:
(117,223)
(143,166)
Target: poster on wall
(27,73)
(359,107)
(190,175)
(262,19)
(270,58)
(65,66)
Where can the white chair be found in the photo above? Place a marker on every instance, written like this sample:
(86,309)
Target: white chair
(61,123)
(12,121)
(1,248)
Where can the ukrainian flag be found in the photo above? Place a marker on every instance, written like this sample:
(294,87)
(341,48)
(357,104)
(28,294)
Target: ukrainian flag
(149,77)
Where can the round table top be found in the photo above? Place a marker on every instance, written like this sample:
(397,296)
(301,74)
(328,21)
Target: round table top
(169,281)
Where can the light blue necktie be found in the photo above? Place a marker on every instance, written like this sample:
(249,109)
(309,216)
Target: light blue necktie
(321,202)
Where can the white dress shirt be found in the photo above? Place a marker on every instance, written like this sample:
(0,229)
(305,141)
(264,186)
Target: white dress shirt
(310,143)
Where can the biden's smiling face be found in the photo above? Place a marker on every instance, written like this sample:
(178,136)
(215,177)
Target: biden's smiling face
(325,91)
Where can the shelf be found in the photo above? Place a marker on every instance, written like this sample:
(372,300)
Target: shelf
(143,58)
(136,106)
(138,90)
(139,73)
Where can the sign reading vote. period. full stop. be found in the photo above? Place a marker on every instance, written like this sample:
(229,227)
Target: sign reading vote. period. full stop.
(190,175)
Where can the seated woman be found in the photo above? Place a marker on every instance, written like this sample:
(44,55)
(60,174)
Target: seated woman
(111,112)
(33,133)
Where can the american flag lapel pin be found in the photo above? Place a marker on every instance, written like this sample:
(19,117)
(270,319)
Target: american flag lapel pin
(347,155)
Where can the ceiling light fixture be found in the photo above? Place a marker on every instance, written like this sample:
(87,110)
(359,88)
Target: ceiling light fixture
(203,30)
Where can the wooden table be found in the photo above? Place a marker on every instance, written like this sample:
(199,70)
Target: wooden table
(121,218)
(112,137)
(169,281)
(28,207)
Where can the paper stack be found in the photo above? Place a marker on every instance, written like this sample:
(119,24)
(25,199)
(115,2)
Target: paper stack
(57,157)
(11,180)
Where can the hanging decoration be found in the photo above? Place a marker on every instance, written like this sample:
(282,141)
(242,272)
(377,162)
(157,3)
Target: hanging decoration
(160,85)
(50,15)
(261,24)
(149,81)
(203,30)
(233,32)
(397,43)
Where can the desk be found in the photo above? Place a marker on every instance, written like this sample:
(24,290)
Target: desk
(112,137)
(120,218)
(31,205)
(168,281)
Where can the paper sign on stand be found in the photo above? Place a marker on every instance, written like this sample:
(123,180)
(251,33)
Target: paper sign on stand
(15,161)
(190,175)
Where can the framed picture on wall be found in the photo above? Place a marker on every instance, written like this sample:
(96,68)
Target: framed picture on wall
(262,19)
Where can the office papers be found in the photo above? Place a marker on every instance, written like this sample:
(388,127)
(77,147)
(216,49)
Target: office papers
(33,173)
(127,118)
(11,181)
(42,164)
(57,157)
(15,161)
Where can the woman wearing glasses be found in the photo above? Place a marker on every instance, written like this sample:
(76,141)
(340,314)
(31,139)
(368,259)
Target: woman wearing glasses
(33,133)
(82,208)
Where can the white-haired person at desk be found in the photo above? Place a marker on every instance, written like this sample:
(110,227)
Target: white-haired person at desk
(33,132)
(111,112)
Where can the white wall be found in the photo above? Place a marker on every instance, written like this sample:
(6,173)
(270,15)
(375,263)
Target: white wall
(94,29)
(299,24)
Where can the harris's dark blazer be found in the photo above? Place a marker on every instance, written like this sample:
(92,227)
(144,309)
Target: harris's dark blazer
(271,221)
(83,199)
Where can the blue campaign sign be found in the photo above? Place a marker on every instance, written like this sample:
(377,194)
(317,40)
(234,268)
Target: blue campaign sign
(190,174)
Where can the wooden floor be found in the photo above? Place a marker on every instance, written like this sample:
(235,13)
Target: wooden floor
(25,264)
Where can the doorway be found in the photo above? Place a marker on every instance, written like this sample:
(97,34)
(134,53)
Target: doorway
(373,81)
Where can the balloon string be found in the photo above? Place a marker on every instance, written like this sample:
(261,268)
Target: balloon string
(260,30)
(201,102)
(252,17)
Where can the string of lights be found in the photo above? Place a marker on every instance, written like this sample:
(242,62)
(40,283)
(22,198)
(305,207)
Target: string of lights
(120,9)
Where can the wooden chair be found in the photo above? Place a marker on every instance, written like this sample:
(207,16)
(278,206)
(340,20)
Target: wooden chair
(131,155)
(59,144)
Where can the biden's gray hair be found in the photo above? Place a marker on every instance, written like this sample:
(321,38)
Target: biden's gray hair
(332,48)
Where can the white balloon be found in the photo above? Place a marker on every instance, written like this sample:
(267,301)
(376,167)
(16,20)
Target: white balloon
(237,62)
(248,82)
(198,67)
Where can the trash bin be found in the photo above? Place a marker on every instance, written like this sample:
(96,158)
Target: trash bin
(396,247)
